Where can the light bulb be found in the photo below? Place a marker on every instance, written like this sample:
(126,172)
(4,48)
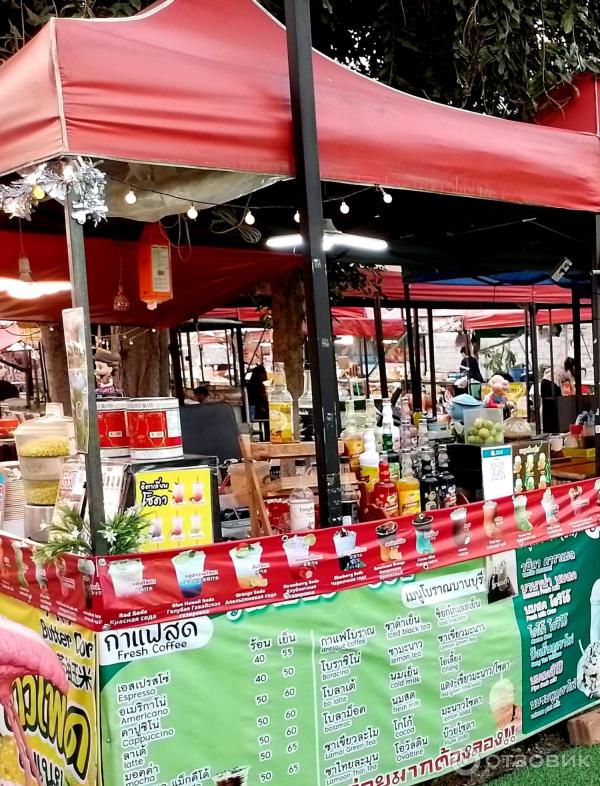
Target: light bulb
(387,198)
(154,330)
(297,216)
(38,192)
(131,343)
(52,328)
(344,208)
(249,218)
(192,212)
(130,197)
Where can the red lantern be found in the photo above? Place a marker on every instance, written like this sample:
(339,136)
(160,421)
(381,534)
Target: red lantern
(154,266)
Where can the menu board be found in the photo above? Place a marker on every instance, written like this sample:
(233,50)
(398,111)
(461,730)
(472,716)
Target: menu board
(402,679)
(179,504)
(368,681)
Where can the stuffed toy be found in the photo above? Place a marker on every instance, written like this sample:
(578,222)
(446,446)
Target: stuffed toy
(105,364)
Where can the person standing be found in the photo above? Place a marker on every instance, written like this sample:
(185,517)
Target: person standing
(469,366)
(258,400)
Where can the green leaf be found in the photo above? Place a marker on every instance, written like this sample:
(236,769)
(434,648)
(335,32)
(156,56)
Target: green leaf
(568,21)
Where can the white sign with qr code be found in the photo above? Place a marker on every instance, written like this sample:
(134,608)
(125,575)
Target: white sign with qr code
(496,469)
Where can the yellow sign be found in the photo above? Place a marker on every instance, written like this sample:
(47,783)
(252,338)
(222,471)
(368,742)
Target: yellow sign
(62,731)
(179,504)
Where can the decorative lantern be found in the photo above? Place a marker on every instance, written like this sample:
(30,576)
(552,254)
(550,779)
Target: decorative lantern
(154,267)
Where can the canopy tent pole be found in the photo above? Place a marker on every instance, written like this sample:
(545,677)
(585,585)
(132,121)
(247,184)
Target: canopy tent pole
(380,348)
(410,338)
(527,367)
(176,364)
(596,332)
(535,370)
(417,390)
(432,373)
(239,339)
(318,313)
(366,372)
(577,340)
(80,299)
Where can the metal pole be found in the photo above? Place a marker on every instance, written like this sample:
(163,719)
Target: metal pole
(577,340)
(80,299)
(366,354)
(190,363)
(239,338)
(551,348)
(432,361)
(526,315)
(176,364)
(380,348)
(318,312)
(411,348)
(535,370)
(416,386)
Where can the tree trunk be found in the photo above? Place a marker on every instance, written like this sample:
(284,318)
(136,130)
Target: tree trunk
(55,359)
(145,365)
(287,311)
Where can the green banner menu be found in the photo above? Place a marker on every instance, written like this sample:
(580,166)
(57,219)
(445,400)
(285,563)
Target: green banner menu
(558,610)
(366,686)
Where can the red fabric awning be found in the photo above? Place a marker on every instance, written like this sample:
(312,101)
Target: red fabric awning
(205,277)
(349,321)
(204,83)
(474,320)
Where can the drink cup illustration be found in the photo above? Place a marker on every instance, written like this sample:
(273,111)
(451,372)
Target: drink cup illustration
(177,527)
(522,514)
(387,536)
(61,575)
(197,491)
(246,561)
(127,577)
(550,507)
(345,543)
(21,567)
(518,486)
(86,570)
(235,777)
(502,704)
(297,551)
(156,528)
(576,494)
(597,490)
(196,525)
(178,493)
(490,519)
(41,577)
(460,526)
(189,567)
(425,534)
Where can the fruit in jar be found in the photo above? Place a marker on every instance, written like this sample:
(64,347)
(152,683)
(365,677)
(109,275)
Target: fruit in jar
(45,447)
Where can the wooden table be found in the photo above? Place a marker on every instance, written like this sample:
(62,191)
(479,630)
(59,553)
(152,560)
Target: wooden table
(571,470)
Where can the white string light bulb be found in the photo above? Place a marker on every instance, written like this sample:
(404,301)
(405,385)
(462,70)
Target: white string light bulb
(387,197)
(249,218)
(130,197)
(192,212)
(297,216)
(68,171)
(345,208)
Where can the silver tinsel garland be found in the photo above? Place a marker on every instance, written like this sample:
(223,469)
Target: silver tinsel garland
(54,179)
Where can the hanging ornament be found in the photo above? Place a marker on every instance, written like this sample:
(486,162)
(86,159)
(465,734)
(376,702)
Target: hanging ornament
(120,300)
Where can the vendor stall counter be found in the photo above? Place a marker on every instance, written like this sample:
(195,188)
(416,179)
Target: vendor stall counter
(380,653)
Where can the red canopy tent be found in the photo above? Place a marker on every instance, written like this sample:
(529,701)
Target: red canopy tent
(346,321)
(484,320)
(204,83)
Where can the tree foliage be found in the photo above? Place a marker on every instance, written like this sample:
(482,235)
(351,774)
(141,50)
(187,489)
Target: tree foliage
(502,57)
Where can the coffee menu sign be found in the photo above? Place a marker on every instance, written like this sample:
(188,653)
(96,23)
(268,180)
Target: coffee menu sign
(392,683)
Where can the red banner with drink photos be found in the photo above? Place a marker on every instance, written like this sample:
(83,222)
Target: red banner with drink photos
(159,586)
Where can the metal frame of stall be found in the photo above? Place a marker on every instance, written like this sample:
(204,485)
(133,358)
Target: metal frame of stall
(320,338)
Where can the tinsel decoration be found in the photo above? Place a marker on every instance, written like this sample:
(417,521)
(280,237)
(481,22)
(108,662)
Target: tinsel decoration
(53,180)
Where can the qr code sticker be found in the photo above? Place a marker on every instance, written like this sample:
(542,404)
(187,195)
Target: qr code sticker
(498,471)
